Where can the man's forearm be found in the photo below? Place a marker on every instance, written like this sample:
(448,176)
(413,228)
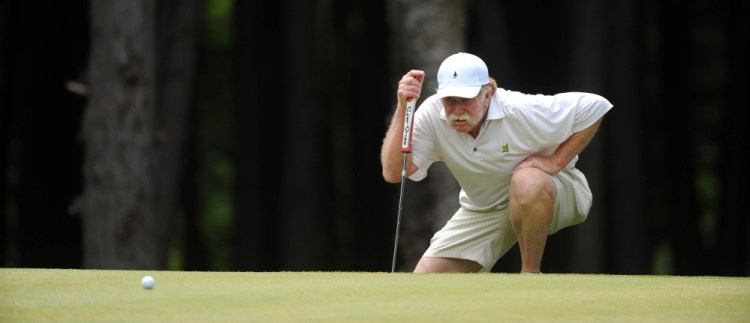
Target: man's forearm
(574,145)
(390,153)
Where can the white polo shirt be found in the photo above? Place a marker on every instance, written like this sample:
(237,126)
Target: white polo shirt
(517,126)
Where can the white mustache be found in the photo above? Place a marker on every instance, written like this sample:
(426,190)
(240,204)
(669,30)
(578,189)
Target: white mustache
(462,117)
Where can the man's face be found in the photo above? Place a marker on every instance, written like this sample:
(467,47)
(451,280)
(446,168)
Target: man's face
(463,114)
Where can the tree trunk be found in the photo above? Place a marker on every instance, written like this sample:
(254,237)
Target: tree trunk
(258,93)
(623,195)
(177,32)
(302,151)
(282,202)
(580,248)
(119,202)
(371,211)
(45,154)
(679,164)
(5,115)
(734,225)
(430,203)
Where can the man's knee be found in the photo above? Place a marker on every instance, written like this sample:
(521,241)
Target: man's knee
(530,185)
(446,265)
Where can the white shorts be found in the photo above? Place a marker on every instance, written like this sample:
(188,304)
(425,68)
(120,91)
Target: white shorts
(484,237)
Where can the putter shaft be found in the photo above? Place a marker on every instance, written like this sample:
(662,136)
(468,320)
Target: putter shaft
(400,208)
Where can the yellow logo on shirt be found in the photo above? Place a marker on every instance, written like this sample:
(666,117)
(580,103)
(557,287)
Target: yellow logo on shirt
(505,148)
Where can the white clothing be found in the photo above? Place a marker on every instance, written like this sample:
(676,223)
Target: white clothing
(484,237)
(517,126)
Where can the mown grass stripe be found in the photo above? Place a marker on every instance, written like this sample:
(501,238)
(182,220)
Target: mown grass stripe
(94,295)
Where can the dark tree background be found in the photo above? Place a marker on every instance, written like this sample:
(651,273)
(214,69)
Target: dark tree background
(257,144)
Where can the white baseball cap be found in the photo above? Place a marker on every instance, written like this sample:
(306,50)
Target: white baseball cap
(461,75)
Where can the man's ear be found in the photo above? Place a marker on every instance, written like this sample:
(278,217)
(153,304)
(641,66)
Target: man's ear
(488,92)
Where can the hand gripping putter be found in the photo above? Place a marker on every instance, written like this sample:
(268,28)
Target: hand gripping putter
(405,149)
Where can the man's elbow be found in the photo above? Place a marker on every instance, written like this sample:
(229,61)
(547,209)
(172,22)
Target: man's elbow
(391,177)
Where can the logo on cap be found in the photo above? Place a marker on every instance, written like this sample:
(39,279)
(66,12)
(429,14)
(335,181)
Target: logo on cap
(455,75)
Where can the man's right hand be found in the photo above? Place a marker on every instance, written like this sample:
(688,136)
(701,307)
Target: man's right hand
(410,86)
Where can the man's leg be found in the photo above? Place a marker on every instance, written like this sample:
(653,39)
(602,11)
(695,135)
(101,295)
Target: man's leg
(446,265)
(532,196)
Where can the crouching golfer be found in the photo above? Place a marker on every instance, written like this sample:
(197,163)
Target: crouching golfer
(513,155)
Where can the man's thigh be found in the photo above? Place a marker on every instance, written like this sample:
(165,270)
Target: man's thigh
(573,200)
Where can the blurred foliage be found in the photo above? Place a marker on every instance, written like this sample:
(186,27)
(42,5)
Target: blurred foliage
(213,154)
(218,24)
(215,141)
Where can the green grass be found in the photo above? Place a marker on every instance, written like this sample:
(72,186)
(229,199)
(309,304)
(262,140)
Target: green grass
(104,295)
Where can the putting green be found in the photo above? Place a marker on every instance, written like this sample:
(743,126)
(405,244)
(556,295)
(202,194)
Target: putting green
(92,295)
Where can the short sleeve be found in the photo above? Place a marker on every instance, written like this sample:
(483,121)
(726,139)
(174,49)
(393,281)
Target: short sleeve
(424,151)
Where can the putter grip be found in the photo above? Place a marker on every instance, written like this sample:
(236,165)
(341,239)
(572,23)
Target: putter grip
(408,122)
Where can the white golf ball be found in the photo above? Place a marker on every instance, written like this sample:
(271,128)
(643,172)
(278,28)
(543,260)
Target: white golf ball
(148,282)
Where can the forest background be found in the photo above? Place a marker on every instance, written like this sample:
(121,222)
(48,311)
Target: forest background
(245,135)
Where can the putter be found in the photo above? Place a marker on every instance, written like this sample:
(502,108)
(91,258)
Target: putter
(405,149)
